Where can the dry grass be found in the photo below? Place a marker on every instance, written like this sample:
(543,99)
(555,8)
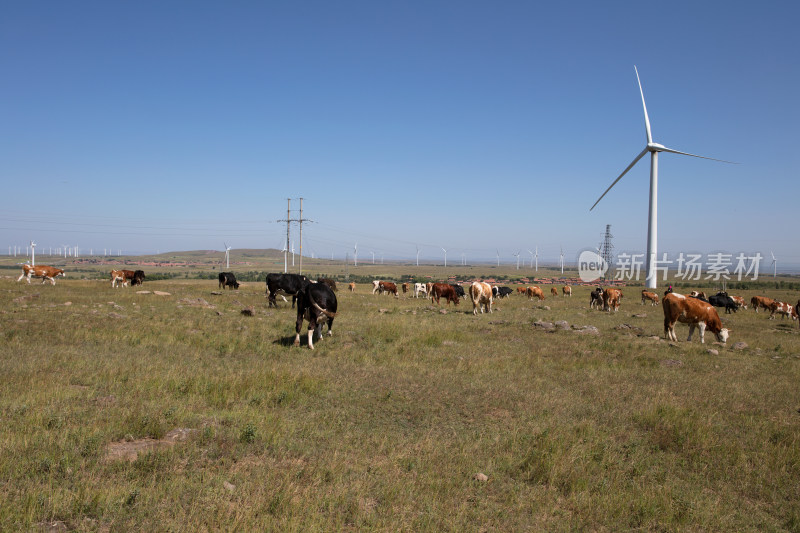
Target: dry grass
(385,425)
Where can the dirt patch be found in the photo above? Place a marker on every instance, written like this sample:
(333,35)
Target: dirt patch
(130,450)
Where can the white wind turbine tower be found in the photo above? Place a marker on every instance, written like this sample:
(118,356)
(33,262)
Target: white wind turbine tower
(531,258)
(774,265)
(517,256)
(355,255)
(498,256)
(227,255)
(33,254)
(537,259)
(373,257)
(285,253)
(417,254)
(652,221)
(562,260)
(445,256)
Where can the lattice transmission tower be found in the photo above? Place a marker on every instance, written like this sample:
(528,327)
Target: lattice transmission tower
(607,251)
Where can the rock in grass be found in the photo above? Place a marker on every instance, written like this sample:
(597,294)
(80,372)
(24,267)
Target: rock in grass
(480,476)
(547,326)
(585,330)
(230,487)
(561,324)
(249,311)
(161,293)
(740,346)
(712,351)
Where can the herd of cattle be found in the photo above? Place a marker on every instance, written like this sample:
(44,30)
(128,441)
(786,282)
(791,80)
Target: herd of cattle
(316,300)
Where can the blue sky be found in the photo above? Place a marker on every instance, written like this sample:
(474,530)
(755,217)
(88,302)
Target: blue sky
(469,126)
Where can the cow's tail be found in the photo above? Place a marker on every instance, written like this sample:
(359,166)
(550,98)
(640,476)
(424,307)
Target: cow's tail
(321,310)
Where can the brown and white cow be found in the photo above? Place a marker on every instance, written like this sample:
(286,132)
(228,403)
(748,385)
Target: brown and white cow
(481,295)
(123,276)
(443,290)
(40,271)
(420,288)
(761,301)
(783,309)
(611,298)
(566,290)
(649,296)
(692,311)
(553,292)
(388,287)
(376,286)
(532,292)
(405,288)
(700,294)
(352,287)
(739,301)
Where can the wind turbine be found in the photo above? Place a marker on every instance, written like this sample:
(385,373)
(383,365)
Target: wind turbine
(227,255)
(517,256)
(355,255)
(774,265)
(285,253)
(417,254)
(33,254)
(373,257)
(652,221)
(562,260)
(445,257)
(498,256)
(531,258)
(537,259)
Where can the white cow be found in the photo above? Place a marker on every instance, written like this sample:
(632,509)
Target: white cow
(420,288)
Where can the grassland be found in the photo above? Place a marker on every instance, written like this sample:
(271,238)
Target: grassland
(387,424)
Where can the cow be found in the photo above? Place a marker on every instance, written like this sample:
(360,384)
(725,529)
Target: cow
(700,295)
(649,296)
(440,290)
(782,309)
(501,292)
(122,276)
(289,284)
(521,290)
(611,298)
(567,290)
(596,298)
(329,282)
(721,299)
(227,279)
(459,290)
(740,302)
(761,301)
(352,287)
(405,288)
(41,271)
(388,287)
(316,302)
(553,292)
(420,288)
(481,294)
(797,311)
(138,278)
(429,287)
(534,291)
(376,286)
(692,311)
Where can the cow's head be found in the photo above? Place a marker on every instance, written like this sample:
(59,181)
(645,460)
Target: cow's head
(722,336)
(59,272)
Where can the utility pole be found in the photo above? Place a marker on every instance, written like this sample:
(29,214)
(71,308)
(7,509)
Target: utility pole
(288,221)
(607,250)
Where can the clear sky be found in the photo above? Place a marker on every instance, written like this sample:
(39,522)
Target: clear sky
(479,127)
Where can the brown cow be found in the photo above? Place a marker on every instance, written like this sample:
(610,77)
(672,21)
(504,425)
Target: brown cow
(443,290)
(329,282)
(649,296)
(521,290)
(534,291)
(611,298)
(692,311)
(352,287)
(405,288)
(566,290)
(553,291)
(481,294)
(762,302)
(388,287)
(123,276)
(41,271)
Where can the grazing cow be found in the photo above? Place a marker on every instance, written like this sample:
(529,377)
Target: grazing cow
(459,290)
(122,276)
(740,302)
(501,292)
(227,279)
(611,298)
(567,290)
(138,278)
(289,284)
(405,288)
(481,294)
(762,302)
(596,298)
(316,302)
(41,271)
(721,299)
(700,295)
(352,287)
(388,287)
(376,286)
(420,288)
(429,287)
(440,290)
(553,291)
(692,311)
(782,309)
(797,311)
(534,291)
(649,296)
(329,282)
(521,290)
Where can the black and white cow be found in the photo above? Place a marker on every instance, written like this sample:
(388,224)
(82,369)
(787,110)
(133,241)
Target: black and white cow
(459,290)
(316,302)
(596,298)
(227,279)
(721,299)
(501,292)
(289,284)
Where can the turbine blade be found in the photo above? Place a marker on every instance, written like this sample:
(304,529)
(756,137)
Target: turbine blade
(644,106)
(638,157)
(672,151)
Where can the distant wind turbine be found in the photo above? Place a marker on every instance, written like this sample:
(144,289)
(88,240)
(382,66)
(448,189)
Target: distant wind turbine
(373,257)
(531,258)
(227,255)
(774,265)
(33,253)
(417,255)
(562,260)
(355,255)
(445,256)
(537,259)
(652,221)
(498,256)
(517,256)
